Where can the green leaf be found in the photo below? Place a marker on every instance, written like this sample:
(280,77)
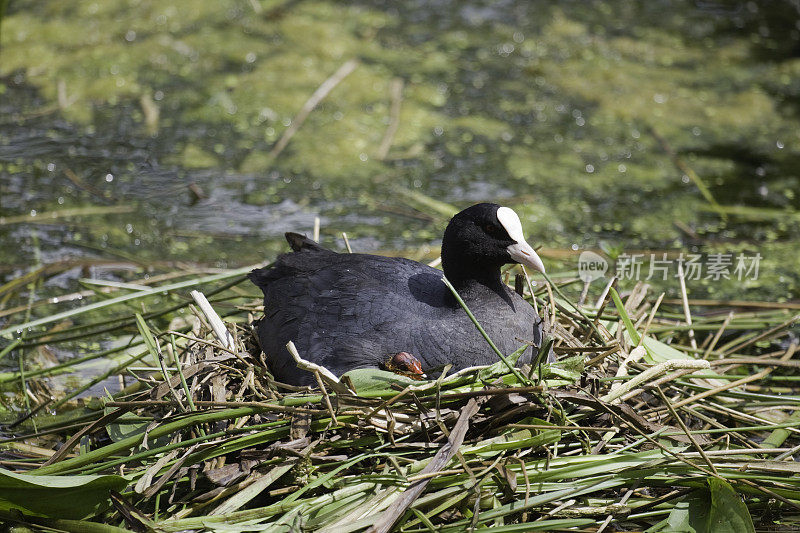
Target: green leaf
(126,426)
(569,369)
(147,336)
(515,440)
(689,515)
(678,519)
(709,511)
(778,436)
(129,425)
(501,369)
(624,316)
(728,511)
(71,497)
(375,380)
(56,524)
(657,351)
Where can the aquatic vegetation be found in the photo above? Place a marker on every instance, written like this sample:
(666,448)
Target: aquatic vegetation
(633,426)
(564,109)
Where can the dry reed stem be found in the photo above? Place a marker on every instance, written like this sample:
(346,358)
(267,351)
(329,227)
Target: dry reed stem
(313,101)
(734,384)
(396,95)
(661,368)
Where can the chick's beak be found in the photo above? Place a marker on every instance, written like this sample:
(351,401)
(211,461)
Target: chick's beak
(522,253)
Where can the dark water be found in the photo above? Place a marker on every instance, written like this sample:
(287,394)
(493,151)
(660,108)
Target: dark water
(554,108)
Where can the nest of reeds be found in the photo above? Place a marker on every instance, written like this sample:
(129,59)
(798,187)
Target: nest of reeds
(643,422)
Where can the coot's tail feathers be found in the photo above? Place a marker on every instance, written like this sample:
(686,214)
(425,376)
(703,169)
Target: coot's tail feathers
(289,264)
(260,276)
(301,243)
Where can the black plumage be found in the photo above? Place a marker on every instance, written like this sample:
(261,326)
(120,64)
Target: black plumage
(346,311)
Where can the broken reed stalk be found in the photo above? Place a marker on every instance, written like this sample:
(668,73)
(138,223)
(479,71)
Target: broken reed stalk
(179,367)
(347,243)
(652,315)
(220,331)
(313,101)
(718,335)
(439,461)
(734,384)
(681,165)
(686,431)
(323,373)
(686,312)
(650,373)
(396,95)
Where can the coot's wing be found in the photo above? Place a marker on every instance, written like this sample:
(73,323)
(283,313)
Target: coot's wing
(344,310)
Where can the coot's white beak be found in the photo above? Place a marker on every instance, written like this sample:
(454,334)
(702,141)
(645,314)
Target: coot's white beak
(523,254)
(520,251)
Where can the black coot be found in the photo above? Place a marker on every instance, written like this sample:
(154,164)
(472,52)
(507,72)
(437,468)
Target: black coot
(346,311)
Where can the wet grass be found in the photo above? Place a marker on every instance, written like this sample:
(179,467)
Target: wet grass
(648,420)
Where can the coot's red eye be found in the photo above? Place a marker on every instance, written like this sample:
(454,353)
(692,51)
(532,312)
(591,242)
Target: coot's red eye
(490,229)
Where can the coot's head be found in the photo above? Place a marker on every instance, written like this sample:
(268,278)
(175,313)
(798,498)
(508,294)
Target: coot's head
(482,238)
